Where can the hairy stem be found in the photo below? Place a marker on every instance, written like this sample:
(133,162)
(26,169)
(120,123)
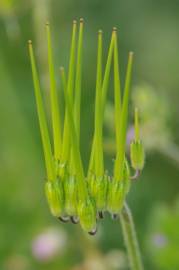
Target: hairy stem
(130,238)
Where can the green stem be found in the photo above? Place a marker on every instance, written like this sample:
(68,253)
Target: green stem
(130,238)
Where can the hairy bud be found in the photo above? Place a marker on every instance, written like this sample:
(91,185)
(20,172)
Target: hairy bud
(98,189)
(116,195)
(137,155)
(87,215)
(117,191)
(55,197)
(70,188)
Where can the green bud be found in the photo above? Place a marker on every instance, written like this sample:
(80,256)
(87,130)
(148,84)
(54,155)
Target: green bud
(98,189)
(70,188)
(116,196)
(55,197)
(117,191)
(137,154)
(87,215)
(92,185)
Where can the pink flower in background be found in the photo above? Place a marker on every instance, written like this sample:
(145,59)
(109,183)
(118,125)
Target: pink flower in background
(130,134)
(160,240)
(48,244)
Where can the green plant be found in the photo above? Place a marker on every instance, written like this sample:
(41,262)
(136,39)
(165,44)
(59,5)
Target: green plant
(162,239)
(72,193)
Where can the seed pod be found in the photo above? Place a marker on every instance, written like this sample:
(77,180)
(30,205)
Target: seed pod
(101,196)
(137,154)
(55,197)
(92,185)
(116,195)
(87,215)
(70,188)
(117,191)
(99,187)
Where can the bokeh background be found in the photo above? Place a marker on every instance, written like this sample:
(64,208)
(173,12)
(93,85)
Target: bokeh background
(30,238)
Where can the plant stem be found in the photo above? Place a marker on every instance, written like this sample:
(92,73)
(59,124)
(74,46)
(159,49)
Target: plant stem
(130,238)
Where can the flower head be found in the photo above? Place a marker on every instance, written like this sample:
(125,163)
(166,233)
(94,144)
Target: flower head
(73,193)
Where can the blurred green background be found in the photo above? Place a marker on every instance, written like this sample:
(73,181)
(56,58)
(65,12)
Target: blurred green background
(30,238)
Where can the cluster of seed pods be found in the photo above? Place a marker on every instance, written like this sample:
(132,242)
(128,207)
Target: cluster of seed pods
(72,194)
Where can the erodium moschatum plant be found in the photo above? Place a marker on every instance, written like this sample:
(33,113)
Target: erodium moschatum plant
(73,194)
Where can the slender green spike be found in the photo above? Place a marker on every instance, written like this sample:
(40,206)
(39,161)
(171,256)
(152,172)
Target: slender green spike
(92,159)
(107,71)
(99,64)
(119,163)
(70,87)
(42,119)
(136,125)
(70,83)
(55,112)
(99,163)
(77,101)
(82,188)
(117,90)
(104,94)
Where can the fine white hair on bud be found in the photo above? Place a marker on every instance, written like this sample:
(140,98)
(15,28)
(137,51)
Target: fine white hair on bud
(71,198)
(55,197)
(137,154)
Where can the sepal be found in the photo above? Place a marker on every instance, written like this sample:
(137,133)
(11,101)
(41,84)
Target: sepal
(87,215)
(55,197)
(137,155)
(116,195)
(98,189)
(71,200)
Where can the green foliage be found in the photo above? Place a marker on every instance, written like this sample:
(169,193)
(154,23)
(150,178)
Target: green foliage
(163,236)
(22,169)
(8,6)
(154,116)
